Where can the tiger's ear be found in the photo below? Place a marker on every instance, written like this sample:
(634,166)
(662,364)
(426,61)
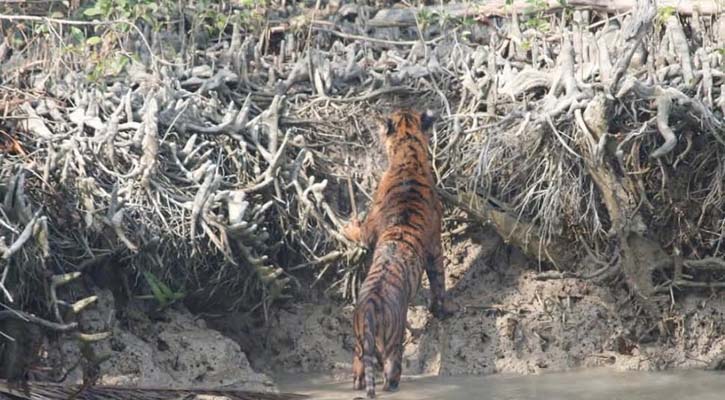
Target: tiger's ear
(387,127)
(427,119)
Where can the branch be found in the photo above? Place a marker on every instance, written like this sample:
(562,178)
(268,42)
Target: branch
(406,16)
(516,232)
(21,316)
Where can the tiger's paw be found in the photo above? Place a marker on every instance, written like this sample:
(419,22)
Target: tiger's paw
(445,310)
(352,230)
(391,386)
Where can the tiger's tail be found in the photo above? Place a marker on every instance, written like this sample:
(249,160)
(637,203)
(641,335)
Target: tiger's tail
(369,350)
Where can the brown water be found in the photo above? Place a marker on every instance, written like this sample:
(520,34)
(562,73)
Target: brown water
(591,384)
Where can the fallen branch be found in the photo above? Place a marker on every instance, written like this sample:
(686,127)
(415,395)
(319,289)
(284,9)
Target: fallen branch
(515,232)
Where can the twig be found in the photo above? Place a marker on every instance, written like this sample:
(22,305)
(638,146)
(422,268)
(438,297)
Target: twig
(22,316)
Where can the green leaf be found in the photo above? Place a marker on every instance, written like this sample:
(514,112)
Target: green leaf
(119,64)
(77,34)
(93,40)
(92,12)
(147,18)
(163,294)
(156,287)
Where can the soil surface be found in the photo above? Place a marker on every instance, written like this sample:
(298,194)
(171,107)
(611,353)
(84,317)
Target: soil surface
(174,349)
(511,323)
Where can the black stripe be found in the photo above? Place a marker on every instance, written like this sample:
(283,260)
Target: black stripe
(396,281)
(403,218)
(414,150)
(409,192)
(412,247)
(406,117)
(408,184)
(413,163)
(410,137)
(402,193)
(411,207)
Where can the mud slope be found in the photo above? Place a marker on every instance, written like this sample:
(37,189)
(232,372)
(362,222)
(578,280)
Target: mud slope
(175,350)
(511,323)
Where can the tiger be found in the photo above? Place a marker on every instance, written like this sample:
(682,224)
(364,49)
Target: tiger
(403,226)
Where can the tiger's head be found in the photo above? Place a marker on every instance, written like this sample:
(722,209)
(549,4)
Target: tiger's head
(405,125)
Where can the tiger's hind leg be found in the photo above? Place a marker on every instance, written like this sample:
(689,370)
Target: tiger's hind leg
(393,357)
(392,368)
(358,370)
(441,306)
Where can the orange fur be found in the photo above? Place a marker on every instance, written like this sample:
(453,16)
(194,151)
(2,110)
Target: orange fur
(404,228)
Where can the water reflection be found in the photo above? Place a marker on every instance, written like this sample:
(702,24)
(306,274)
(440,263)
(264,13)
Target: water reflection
(592,384)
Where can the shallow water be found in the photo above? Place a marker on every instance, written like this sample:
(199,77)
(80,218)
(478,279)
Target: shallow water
(591,384)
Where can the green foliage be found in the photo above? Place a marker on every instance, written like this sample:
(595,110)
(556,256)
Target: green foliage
(108,66)
(445,18)
(77,35)
(253,3)
(567,11)
(538,22)
(427,18)
(468,21)
(536,5)
(93,40)
(467,24)
(663,13)
(215,22)
(164,295)
(123,9)
(424,18)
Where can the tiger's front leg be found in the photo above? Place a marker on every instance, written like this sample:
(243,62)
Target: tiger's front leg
(362,232)
(441,306)
(353,230)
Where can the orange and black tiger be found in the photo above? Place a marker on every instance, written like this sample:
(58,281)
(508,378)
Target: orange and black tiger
(404,228)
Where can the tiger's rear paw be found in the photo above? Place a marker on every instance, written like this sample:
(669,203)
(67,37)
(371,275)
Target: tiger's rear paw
(358,383)
(391,386)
